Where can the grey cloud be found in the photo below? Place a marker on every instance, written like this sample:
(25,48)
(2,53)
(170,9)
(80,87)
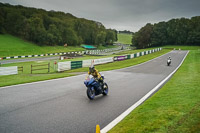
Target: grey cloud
(119,14)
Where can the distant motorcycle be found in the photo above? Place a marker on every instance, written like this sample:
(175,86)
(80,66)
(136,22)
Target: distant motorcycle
(94,87)
(169,62)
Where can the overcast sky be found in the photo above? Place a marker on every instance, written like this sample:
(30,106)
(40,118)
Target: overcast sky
(119,14)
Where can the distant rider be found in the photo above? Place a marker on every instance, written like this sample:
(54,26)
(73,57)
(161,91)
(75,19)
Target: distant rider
(169,58)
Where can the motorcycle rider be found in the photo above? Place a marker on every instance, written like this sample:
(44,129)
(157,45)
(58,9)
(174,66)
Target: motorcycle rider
(94,72)
(169,60)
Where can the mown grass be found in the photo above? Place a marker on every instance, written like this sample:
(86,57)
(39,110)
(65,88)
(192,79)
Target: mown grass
(13,46)
(124,38)
(175,108)
(26,76)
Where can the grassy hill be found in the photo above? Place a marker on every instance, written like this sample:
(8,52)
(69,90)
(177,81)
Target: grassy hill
(124,38)
(13,46)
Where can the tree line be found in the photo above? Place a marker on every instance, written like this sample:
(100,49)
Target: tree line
(52,27)
(125,32)
(181,31)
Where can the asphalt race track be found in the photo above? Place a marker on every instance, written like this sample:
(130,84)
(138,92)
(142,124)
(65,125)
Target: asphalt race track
(28,59)
(62,106)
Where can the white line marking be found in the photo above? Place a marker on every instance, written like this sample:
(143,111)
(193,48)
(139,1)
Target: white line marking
(129,110)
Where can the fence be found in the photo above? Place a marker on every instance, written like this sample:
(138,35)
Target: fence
(37,67)
(21,69)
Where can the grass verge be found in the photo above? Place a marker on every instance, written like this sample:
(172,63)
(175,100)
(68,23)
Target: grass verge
(26,77)
(175,108)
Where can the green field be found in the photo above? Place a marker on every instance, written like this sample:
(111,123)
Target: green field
(175,108)
(13,46)
(124,38)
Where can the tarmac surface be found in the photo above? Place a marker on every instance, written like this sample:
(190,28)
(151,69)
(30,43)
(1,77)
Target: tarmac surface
(62,106)
(29,59)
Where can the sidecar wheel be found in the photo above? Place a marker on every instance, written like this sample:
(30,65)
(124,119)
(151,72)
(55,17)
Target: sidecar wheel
(90,93)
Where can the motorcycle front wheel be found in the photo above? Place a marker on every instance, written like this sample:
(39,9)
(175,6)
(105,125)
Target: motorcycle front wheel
(90,93)
(105,89)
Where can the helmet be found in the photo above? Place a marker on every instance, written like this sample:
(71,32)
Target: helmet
(91,69)
(169,57)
